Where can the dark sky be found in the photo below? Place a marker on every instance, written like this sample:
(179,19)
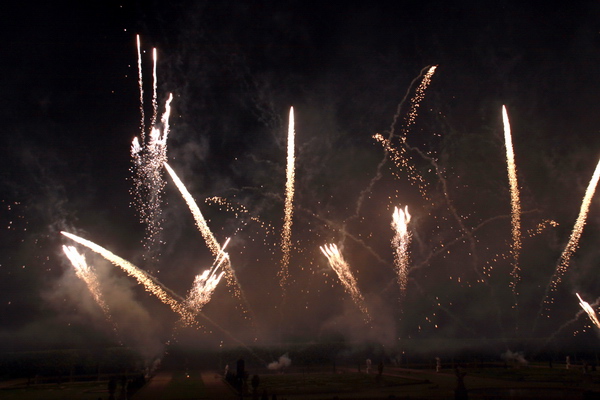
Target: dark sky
(71,108)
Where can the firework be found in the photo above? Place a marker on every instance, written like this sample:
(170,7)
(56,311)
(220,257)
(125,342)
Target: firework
(148,156)
(399,157)
(154,91)
(201,224)
(415,102)
(142,277)
(589,310)
(209,238)
(400,243)
(86,274)
(565,258)
(514,200)
(206,283)
(286,234)
(141,86)
(342,269)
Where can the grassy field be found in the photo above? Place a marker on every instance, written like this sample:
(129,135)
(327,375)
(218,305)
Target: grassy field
(78,390)
(184,386)
(533,374)
(181,386)
(323,383)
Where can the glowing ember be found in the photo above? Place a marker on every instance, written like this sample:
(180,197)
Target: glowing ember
(400,244)
(341,268)
(589,310)
(286,234)
(514,201)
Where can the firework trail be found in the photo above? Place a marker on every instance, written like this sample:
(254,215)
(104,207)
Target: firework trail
(399,157)
(201,224)
(87,274)
(148,156)
(341,268)
(563,263)
(400,243)
(154,91)
(141,86)
(206,283)
(142,277)
(286,234)
(145,280)
(589,310)
(514,201)
(208,236)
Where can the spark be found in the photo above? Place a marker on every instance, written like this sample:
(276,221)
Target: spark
(514,201)
(400,243)
(286,234)
(342,269)
(142,277)
(589,310)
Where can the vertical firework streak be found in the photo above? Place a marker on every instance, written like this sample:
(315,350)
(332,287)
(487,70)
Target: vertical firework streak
(589,310)
(563,263)
(400,243)
(148,156)
(286,234)
(142,277)
(141,86)
(514,202)
(154,93)
(341,268)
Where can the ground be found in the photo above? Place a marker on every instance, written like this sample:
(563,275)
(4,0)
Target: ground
(481,382)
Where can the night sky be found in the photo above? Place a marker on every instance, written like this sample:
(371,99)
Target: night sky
(70,108)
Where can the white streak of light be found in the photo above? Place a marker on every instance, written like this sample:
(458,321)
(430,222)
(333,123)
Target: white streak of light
(286,234)
(573,243)
(514,200)
(201,224)
(140,84)
(154,93)
(589,310)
